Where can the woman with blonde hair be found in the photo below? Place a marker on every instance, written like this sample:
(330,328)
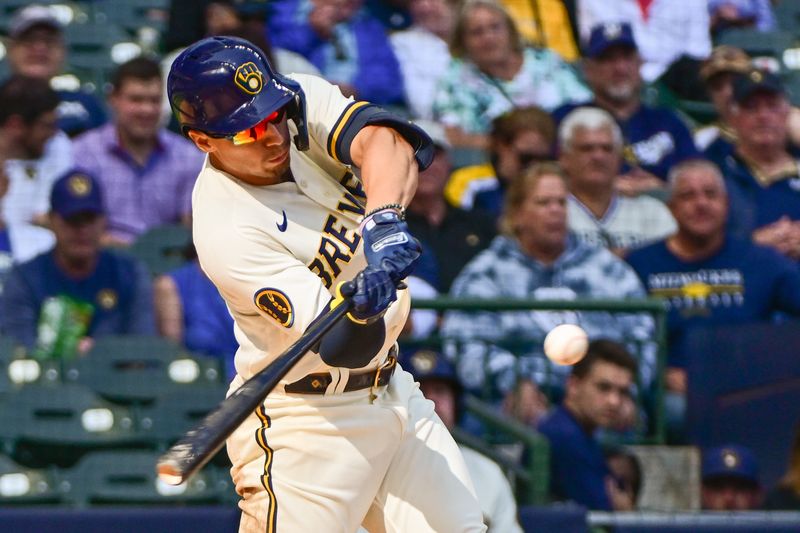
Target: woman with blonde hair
(537,258)
(493,71)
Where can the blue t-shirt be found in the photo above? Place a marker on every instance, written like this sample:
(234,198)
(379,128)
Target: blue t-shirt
(207,324)
(78,111)
(743,282)
(119,291)
(655,138)
(578,468)
(752,204)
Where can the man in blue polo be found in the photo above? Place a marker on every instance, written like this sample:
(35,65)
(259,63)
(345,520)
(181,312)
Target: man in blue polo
(56,303)
(597,389)
(655,138)
(762,174)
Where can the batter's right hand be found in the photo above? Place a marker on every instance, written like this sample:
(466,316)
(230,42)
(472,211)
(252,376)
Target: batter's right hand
(373,292)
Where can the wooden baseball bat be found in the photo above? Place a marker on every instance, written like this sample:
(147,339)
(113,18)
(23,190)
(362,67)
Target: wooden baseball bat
(200,444)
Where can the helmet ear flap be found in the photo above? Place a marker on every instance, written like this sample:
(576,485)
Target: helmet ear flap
(296,111)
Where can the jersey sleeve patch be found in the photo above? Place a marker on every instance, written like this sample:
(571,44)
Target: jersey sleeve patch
(276,304)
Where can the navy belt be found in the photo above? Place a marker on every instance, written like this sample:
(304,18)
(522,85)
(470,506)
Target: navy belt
(319,383)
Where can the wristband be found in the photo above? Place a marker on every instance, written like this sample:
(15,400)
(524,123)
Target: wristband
(399,208)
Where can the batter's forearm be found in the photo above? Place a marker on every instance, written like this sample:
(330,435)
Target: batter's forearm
(388,168)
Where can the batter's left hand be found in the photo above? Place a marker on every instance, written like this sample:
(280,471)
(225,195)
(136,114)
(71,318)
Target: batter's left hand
(389,245)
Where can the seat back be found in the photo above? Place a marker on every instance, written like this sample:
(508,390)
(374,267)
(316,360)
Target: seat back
(57,423)
(162,248)
(129,477)
(137,369)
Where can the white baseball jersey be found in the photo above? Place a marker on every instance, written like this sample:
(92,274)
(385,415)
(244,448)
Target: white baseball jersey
(627,223)
(286,246)
(331,462)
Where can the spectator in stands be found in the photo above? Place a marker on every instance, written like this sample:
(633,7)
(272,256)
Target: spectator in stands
(547,24)
(439,383)
(727,14)
(36,49)
(344,42)
(536,258)
(656,138)
(730,479)
(493,72)
(761,173)
(786,496)
(626,471)
(590,152)
(717,139)
(707,276)
(718,72)
(452,234)
(526,403)
(595,392)
(190,311)
(670,33)
(422,53)
(76,290)
(519,138)
(147,173)
(33,153)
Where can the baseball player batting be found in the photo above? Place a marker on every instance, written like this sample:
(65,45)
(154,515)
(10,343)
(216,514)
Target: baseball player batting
(301,190)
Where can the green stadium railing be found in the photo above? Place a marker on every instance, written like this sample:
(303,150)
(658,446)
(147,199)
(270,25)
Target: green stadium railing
(531,477)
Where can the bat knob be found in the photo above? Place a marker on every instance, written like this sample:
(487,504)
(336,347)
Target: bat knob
(347,289)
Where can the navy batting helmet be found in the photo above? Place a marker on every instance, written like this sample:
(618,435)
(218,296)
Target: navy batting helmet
(224,85)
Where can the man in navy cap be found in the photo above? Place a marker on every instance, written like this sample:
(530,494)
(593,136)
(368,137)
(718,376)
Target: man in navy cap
(730,479)
(96,291)
(438,382)
(762,172)
(655,138)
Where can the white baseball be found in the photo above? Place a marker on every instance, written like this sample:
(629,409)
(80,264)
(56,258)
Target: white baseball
(566,344)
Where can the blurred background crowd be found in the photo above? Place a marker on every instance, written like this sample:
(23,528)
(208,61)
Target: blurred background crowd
(630,166)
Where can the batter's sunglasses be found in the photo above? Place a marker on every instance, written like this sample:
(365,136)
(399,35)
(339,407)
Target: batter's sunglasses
(257,132)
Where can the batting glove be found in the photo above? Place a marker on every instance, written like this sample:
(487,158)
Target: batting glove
(389,245)
(373,293)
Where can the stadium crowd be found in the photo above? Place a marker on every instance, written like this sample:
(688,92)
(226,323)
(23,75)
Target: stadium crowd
(567,168)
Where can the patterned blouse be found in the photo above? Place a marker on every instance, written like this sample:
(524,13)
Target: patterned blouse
(468,98)
(493,349)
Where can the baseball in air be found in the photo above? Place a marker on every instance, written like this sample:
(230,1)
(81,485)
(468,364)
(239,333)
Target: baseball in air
(566,344)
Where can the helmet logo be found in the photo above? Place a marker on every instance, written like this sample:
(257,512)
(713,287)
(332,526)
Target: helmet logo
(249,79)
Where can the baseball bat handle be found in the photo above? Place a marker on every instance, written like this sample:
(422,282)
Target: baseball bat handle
(200,444)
